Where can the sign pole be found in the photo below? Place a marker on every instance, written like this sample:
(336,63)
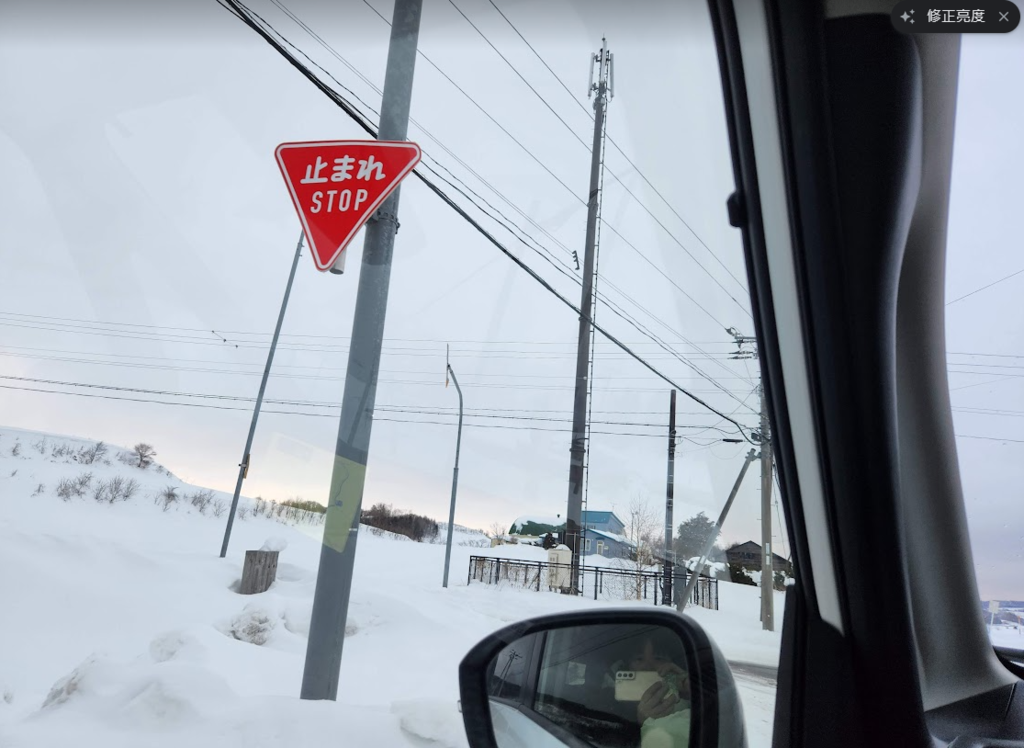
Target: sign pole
(243,468)
(337,555)
(455,479)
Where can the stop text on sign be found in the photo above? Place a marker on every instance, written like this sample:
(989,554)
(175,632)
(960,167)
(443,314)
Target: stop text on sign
(336,186)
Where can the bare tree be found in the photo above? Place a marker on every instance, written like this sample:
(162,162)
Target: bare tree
(642,528)
(144,453)
(497,530)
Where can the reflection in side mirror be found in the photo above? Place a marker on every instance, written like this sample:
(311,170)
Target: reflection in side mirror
(625,679)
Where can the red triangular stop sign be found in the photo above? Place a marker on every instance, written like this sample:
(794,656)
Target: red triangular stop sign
(337,185)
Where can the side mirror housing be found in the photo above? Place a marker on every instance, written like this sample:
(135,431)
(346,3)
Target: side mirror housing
(630,678)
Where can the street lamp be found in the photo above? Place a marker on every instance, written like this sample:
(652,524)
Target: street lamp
(455,472)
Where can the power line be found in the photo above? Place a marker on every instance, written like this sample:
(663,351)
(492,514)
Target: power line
(243,372)
(207,405)
(989,438)
(985,287)
(537,247)
(566,187)
(518,233)
(622,153)
(246,16)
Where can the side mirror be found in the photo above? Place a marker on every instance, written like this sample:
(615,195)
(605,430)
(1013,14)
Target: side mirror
(613,678)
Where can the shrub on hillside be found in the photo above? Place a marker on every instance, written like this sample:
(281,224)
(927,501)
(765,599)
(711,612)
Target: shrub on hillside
(116,489)
(89,455)
(167,497)
(68,488)
(308,506)
(39,489)
(200,499)
(219,508)
(16,449)
(414,526)
(40,446)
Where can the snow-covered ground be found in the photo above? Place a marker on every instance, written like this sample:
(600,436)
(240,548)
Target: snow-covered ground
(1007,635)
(120,626)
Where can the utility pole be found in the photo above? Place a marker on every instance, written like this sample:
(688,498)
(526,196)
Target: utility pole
(666,597)
(455,473)
(695,575)
(341,526)
(767,564)
(243,467)
(577,450)
(767,571)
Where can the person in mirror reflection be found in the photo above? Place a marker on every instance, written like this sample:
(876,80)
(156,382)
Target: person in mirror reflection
(663,712)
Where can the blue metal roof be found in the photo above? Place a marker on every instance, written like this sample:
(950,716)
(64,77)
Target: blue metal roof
(598,517)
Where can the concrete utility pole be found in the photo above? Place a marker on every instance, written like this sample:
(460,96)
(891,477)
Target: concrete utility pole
(670,556)
(767,571)
(455,475)
(685,597)
(243,467)
(341,526)
(577,450)
(767,561)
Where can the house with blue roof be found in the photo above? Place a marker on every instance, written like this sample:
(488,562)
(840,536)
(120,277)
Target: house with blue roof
(604,535)
(603,532)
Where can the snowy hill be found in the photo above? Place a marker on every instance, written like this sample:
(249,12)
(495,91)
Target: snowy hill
(122,627)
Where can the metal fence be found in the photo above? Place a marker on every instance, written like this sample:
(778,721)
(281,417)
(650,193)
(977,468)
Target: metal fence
(603,583)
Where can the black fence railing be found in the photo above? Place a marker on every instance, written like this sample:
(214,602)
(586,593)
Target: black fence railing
(600,581)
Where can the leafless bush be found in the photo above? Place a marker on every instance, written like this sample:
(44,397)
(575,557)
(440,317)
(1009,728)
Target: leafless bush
(89,455)
(16,449)
(40,446)
(129,488)
(65,489)
(167,497)
(39,489)
(68,488)
(219,507)
(201,499)
(60,450)
(116,489)
(261,506)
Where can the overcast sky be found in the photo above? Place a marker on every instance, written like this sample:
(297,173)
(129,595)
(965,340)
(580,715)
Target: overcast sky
(146,235)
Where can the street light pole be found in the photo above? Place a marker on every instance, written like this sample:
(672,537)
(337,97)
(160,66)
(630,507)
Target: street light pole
(455,474)
(243,467)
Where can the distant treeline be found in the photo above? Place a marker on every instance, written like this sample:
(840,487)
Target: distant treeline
(414,526)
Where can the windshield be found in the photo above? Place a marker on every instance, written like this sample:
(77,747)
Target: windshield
(984,335)
(148,234)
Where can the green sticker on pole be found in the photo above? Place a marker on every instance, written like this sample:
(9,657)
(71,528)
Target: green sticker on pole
(346,495)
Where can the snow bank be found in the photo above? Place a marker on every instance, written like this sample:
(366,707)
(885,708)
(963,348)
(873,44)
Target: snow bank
(124,630)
